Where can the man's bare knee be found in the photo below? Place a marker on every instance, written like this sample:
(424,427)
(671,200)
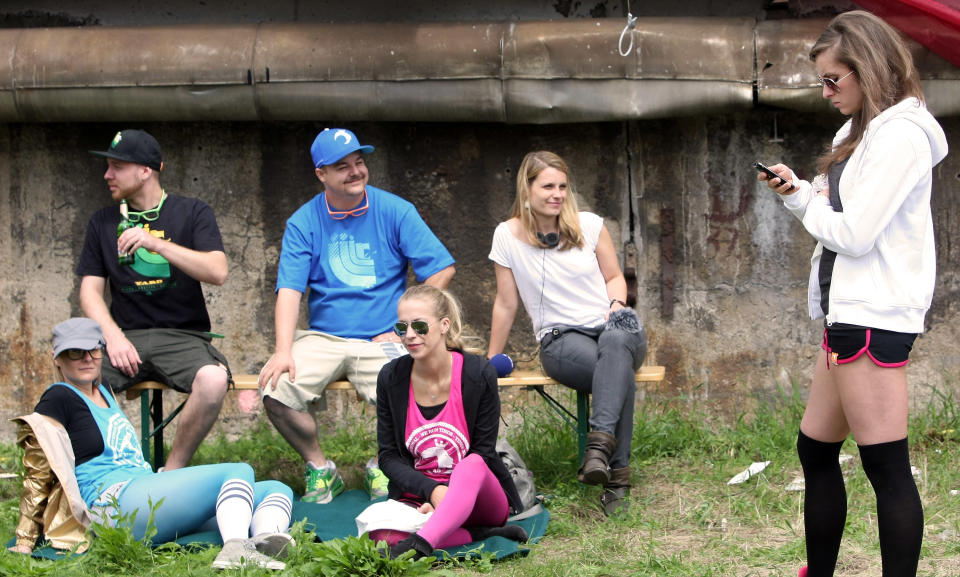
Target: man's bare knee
(210,383)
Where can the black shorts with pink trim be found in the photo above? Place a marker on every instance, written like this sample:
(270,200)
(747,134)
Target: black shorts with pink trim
(847,343)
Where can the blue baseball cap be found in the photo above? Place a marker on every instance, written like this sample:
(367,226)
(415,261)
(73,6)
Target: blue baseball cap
(333,144)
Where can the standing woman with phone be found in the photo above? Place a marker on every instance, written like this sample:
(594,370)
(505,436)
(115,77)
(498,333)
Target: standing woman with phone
(562,264)
(872,279)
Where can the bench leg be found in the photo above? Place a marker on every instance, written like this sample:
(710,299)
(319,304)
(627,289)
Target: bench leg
(583,422)
(145,425)
(157,412)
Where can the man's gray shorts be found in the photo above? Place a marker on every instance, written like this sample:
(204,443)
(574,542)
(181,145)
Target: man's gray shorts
(170,356)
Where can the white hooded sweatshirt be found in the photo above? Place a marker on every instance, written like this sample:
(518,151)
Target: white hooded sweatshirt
(886,262)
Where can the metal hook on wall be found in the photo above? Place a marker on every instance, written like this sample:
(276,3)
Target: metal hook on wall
(631,22)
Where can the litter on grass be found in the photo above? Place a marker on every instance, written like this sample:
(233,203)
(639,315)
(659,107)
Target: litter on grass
(798,483)
(750,471)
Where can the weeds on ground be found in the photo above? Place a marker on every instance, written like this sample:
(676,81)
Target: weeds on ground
(114,550)
(685,520)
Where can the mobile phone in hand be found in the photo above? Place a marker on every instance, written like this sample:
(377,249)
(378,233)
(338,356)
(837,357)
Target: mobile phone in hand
(771,174)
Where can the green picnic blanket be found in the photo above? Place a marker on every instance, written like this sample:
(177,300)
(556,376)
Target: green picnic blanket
(336,520)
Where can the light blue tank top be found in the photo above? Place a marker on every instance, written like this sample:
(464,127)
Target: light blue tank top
(121,460)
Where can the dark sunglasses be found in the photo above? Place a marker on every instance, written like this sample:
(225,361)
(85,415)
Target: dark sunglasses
(419,327)
(77,354)
(832,84)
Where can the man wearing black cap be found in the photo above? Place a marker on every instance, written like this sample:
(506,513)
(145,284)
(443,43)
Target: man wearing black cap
(157,326)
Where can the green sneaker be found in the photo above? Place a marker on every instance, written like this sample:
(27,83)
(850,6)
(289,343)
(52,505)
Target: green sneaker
(322,485)
(375,482)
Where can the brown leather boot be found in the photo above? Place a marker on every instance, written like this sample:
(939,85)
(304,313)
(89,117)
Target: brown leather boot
(596,458)
(616,493)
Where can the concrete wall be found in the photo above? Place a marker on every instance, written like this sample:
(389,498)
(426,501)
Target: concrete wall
(734,326)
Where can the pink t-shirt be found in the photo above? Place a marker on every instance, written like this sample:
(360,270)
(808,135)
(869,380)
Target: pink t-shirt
(438,444)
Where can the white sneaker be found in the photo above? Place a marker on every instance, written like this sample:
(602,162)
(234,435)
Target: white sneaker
(239,552)
(277,545)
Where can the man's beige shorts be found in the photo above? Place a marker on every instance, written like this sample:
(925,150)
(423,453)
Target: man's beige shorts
(322,359)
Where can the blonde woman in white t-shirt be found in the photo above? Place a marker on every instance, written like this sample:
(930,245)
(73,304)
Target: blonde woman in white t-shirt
(562,264)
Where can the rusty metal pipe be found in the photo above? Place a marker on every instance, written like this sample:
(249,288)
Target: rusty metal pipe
(516,72)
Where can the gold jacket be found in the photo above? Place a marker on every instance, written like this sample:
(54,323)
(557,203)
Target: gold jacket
(51,497)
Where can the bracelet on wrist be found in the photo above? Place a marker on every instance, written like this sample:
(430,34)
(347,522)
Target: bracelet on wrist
(623,304)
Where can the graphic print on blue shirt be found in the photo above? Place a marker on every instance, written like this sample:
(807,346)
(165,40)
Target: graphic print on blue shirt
(351,261)
(121,459)
(356,268)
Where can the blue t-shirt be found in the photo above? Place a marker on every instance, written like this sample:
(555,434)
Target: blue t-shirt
(356,268)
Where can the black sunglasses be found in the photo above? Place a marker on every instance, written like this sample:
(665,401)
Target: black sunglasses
(77,354)
(419,327)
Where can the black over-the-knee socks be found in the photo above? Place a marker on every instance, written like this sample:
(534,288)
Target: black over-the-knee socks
(824,505)
(899,510)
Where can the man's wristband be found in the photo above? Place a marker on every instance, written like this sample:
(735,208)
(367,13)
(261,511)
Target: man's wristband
(617,301)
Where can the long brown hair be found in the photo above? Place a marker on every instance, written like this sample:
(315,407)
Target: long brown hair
(569,221)
(879,58)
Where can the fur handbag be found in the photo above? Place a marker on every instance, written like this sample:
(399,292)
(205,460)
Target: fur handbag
(624,319)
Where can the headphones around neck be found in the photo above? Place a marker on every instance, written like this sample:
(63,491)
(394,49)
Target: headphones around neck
(551,239)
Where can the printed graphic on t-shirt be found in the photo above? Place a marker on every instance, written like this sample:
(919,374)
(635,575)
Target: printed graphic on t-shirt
(123,440)
(151,265)
(351,261)
(437,447)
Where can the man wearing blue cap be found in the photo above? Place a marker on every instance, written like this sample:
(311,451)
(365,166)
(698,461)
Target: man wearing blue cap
(156,326)
(350,245)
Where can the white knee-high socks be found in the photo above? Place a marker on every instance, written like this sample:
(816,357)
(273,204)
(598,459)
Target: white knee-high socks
(272,515)
(234,509)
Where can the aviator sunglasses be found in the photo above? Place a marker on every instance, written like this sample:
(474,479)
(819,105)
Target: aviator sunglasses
(77,354)
(419,327)
(832,84)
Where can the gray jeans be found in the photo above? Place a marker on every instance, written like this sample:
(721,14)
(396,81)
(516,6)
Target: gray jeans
(603,363)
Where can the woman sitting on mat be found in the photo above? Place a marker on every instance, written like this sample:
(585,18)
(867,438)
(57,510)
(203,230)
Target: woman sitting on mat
(562,264)
(438,413)
(113,479)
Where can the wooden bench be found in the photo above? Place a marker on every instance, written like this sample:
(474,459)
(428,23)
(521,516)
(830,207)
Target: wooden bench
(531,380)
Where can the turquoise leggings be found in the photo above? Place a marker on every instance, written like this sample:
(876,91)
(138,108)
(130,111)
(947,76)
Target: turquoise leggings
(189,497)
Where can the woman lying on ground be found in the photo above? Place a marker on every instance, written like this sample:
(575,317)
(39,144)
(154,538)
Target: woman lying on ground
(872,279)
(114,480)
(562,264)
(438,414)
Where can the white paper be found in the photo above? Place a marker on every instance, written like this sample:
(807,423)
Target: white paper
(390,514)
(750,471)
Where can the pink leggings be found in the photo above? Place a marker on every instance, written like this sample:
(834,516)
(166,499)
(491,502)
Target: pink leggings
(474,499)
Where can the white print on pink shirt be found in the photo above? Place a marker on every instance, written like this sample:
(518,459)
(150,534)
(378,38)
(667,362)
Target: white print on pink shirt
(437,447)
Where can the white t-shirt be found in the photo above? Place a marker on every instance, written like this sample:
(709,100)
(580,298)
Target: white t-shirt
(571,292)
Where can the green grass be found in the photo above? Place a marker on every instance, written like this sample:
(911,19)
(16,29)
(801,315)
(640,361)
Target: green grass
(684,521)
